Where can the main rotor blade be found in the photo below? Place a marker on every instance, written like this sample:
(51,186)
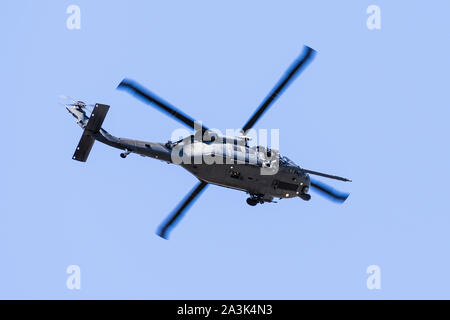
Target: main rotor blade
(150,98)
(179,211)
(283,83)
(329,192)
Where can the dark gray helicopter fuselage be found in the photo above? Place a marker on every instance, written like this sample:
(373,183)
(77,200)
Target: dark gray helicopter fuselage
(223,161)
(240,169)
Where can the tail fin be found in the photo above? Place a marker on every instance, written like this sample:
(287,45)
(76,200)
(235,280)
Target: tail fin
(93,126)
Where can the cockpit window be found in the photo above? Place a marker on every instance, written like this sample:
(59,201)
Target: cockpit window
(285,161)
(177,142)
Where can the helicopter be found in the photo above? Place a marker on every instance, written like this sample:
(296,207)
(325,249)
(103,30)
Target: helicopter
(226,161)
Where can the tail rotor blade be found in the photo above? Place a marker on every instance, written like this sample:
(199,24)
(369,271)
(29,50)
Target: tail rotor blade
(152,99)
(62,96)
(180,210)
(283,83)
(329,192)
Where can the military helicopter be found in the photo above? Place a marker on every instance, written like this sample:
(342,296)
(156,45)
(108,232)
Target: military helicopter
(262,173)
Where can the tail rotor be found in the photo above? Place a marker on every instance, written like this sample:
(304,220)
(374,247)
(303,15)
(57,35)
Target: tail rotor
(76,103)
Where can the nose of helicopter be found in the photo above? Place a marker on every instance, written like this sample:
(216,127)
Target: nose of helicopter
(304,181)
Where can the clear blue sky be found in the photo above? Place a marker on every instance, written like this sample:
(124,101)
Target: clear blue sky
(372,106)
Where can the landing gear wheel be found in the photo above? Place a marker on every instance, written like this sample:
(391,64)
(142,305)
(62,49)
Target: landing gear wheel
(305,196)
(252,202)
(125,154)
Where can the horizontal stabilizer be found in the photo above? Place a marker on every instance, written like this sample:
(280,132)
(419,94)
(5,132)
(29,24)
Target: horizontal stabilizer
(92,127)
(84,147)
(97,117)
